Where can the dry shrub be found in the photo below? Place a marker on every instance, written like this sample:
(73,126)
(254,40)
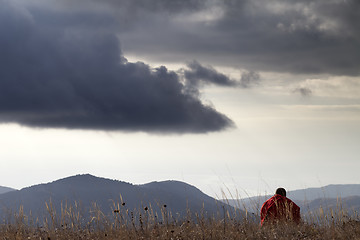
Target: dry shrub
(145,224)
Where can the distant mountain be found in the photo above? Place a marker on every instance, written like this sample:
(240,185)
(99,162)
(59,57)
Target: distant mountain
(311,199)
(109,195)
(5,189)
(329,191)
(349,205)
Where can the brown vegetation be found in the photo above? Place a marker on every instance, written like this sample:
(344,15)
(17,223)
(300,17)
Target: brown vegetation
(145,224)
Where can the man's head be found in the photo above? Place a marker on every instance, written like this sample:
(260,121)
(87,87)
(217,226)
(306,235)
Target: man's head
(281,191)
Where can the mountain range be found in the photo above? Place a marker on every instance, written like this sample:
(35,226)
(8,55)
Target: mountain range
(84,191)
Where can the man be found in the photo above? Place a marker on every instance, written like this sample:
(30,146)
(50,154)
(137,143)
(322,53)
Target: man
(279,208)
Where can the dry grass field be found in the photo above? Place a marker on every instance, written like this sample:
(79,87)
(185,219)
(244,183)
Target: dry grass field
(145,224)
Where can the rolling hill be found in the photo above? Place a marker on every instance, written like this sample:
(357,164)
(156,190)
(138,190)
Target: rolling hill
(83,191)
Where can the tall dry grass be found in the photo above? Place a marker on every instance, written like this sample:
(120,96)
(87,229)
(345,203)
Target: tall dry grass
(69,223)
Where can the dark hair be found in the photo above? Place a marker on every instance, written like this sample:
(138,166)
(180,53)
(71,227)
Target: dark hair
(281,191)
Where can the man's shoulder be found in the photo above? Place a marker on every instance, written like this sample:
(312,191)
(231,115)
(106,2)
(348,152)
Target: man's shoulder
(270,201)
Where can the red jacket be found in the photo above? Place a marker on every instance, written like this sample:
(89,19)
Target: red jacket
(279,208)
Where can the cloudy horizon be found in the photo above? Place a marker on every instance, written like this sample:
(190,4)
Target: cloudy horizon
(245,95)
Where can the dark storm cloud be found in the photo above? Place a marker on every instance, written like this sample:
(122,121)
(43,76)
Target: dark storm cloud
(69,75)
(302,37)
(172,6)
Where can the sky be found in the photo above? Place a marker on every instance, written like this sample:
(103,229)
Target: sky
(234,97)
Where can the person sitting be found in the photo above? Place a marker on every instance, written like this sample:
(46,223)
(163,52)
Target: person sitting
(279,208)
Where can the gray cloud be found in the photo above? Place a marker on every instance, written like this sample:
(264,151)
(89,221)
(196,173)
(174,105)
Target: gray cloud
(67,74)
(249,79)
(62,58)
(198,73)
(301,37)
(173,6)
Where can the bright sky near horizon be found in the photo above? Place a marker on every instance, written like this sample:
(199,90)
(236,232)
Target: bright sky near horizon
(227,96)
